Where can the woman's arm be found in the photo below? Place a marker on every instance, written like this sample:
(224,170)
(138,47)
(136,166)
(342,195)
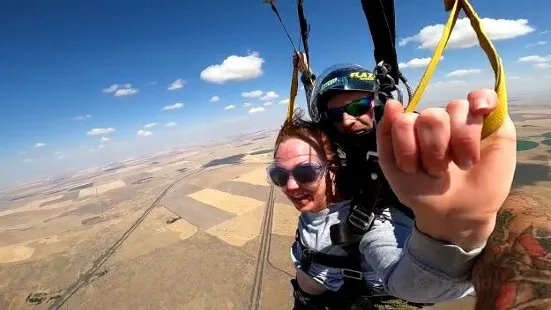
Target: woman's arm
(412,265)
(514,271)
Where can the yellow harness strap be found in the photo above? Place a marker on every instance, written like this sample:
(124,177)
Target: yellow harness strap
(292,94)
(494,120)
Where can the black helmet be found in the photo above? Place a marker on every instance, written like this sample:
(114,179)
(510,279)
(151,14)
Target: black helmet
(335,79)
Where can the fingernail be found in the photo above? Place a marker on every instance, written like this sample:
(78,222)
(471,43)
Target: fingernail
(481,104)
(467,165)
(410,169)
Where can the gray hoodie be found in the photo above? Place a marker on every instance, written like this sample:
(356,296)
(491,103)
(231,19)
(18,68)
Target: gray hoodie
(397,257)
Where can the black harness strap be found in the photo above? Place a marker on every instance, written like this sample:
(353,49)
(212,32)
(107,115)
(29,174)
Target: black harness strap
(380,17)
(351,263)
(361,216)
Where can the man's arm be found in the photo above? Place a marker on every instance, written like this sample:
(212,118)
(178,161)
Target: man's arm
(412,265)
(514,271)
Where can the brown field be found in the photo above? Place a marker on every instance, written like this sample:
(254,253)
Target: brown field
(198,246)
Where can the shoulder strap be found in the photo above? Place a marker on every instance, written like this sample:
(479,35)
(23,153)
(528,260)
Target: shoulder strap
(361,216)
(374,191)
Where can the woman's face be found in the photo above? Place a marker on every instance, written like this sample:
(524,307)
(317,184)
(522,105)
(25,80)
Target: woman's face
(302,175)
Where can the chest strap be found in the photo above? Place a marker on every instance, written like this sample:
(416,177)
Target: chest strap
(349,264)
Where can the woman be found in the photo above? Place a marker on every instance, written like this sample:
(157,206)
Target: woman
(396,258)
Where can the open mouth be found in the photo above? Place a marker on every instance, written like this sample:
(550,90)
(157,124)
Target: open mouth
(301,198)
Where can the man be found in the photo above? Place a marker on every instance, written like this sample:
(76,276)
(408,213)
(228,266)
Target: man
(405,162)
(347,103)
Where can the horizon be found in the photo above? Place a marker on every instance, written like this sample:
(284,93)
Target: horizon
(91,83)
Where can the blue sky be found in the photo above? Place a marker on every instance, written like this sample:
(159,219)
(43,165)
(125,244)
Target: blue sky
(59,57)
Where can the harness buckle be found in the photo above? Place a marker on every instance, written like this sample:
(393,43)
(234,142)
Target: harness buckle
(352,274)
(361,220)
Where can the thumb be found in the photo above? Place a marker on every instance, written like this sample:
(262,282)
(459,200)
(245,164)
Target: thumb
(392,111)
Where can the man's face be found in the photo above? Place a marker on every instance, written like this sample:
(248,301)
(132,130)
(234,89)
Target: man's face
(352,124)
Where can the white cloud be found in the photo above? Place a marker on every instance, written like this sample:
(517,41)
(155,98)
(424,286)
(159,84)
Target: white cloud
(271,95)
(120,90)
(545,32)
(284,101)
(416,63)
(171,124)
(214,99)
(267,104)
(177,84)
(234,68)
(514,77)
(21,153)
(150,125)
(28,160)
(463,35)
(230,107)
(144,133)
(39,144)
(125,92)
(539,43)
(111,89)
(535,58)
(173,106)
(82,117)
(256,110)
(101,146)
(252,94)
(105,139)
(247,104)
(100,131)
(463,72)
(540,62)
(152,83)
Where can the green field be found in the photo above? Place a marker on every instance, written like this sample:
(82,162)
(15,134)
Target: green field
(547,135)
(525,145)
(546,142)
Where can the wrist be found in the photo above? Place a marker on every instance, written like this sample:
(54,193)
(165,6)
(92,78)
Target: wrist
(468,235)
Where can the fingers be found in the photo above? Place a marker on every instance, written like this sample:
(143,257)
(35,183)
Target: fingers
(295,60)
(404,143)
(429,141)
(303,61)
(482,101)
(466,129)
(392,111)
(433,134)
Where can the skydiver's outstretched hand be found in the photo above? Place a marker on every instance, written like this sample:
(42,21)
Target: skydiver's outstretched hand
(300,61)
(437,165)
